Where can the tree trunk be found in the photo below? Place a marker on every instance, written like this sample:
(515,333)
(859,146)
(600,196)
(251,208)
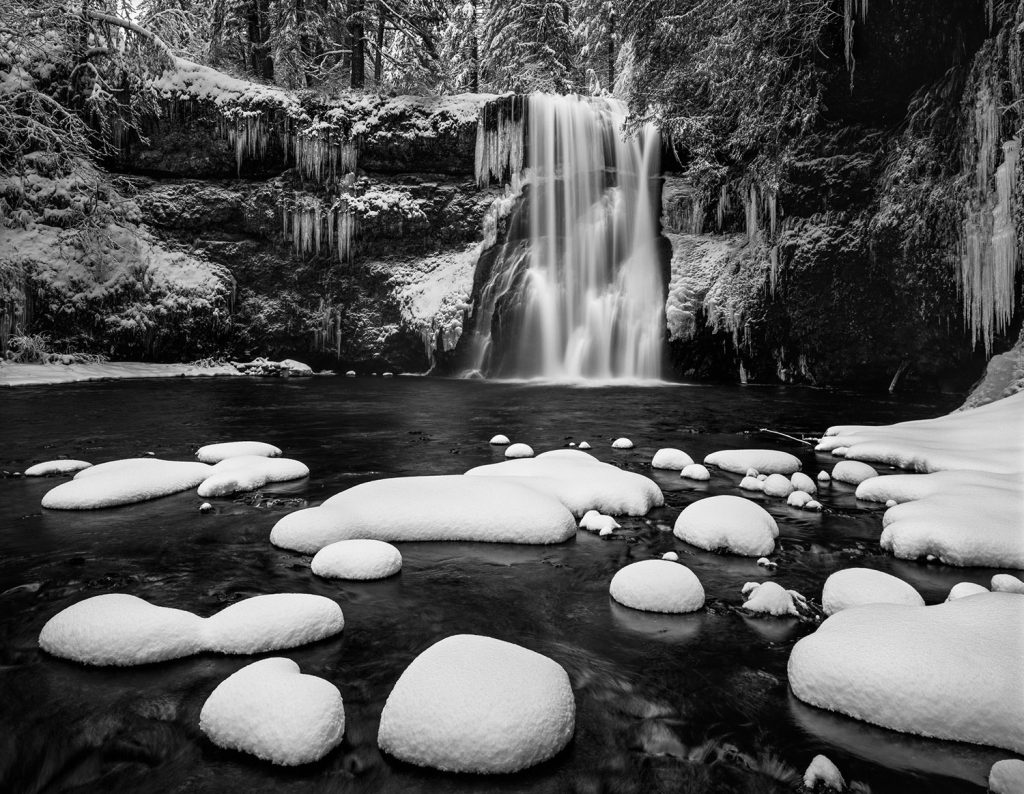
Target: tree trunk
(357,33)
(611,49)
(378,56)
(474,48)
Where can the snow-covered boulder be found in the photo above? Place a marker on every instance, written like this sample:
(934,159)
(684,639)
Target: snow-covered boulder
(357,559)
(764,562)
(729,523)
(54,467)
(694,471)
(1005,583)
(670,458)
(622,443)
(671,556)
(778,485)
(749,483)
(769,598)
(947,671)
(822,774)
(476,704)
(215,453)
(274,712)
(852,472)
(446,507)
(581,482)
(500,440)
(960,518)
(121,629)
(123,482)
(977,439)
(248,473)
(271,623)
(853,587)
(350,373)
(583,445)
(802,482)
(965,589)
(657,586)
(824,477)
(798,499)
(766,461)
(814,504)
(1006,777)
(596,522)
(519,451)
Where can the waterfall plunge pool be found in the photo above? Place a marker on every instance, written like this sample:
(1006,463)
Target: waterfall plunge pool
(664,703)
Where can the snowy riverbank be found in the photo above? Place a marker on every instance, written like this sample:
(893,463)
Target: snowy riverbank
(12,374)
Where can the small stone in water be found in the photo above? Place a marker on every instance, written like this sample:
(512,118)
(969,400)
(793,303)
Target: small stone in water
(764,562)
(671,556)
(824,476)
(622,443)
(350,374)
(814,504)
(584,445)
(606,531)
(206,507)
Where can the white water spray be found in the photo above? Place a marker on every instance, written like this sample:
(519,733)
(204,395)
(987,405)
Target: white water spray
(591,292)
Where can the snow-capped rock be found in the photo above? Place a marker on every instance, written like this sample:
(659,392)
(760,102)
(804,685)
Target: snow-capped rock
(694,471)
(120,629)
(446,507)
(357,559)
(852,472)
(778,485)
(960,518)
(519,451)
(965,589)
(248,473)
(976,439)
(764,562)
(583,445)
(54,467)
(271,710)
(350,374)
(729,523)
(671,556)
(1006,777)
(945,671)
(670,458)
(123,482)
(215,453)
(822,773)
(622,443)
(802,482)
(766,461)
(1005,583)
(770,598)
(581,482)
(657,586)
(824,476)
(853,587)
(752,484)
(596,522)
(500,440)
(814,504)
(798,499)
(477,704)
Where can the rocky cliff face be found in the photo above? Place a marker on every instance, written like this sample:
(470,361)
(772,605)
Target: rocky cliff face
(887,253)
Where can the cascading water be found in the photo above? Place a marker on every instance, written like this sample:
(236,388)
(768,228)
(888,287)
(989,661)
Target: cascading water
(583,295)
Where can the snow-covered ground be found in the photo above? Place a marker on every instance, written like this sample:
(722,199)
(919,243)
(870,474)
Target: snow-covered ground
(13,374)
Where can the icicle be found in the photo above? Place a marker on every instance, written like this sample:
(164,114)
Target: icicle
(750,205)
(773,269)
(500,135)
(724,205)
(851,9)
(989,256)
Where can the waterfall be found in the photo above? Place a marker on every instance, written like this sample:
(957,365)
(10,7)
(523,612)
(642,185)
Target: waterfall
(583,295)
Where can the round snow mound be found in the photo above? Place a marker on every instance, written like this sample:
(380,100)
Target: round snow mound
(803,483)
(52,467)
(500,440)
(273,711)
(357,559)
(1006,777)
(965,589)
(519,451)
(622,443)
(215,453)
(670,458)
(476,704)
(696,472)
(732,523)
(778,485)
(1006,583)
(766,461)
(854,587)
(852,472)
(657,586)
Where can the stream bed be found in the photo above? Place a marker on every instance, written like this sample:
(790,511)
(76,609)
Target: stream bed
(664,703)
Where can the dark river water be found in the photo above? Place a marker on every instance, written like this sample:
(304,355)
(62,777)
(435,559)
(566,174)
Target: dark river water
(683,703)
